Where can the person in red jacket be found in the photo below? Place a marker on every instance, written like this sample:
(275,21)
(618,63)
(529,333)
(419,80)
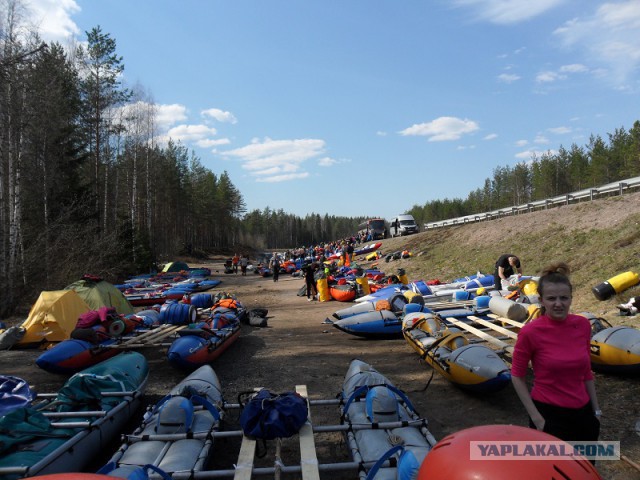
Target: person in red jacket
(563,400)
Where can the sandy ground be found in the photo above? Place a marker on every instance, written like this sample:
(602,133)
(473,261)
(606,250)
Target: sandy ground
(298,349)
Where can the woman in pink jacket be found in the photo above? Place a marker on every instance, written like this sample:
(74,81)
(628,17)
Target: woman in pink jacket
(563,400)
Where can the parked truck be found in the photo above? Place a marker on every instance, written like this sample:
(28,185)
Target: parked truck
(403,224)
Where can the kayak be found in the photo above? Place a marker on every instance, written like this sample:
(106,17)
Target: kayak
(388,438)
(471,367)
(62,433)
(176,434)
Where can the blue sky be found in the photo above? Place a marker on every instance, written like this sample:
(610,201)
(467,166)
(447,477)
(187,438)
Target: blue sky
(368,107)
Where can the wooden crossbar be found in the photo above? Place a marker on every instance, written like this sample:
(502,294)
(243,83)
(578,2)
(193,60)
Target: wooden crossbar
(308,457)
(494,327)
(508,321)
(479,333)
(244,467)
(150,338)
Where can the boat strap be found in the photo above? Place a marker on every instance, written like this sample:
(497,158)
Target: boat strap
(386,456)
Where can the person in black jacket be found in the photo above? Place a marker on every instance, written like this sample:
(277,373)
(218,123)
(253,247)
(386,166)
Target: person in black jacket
(310,281)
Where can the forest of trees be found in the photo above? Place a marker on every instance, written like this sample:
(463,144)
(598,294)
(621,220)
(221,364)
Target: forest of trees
(597,163)
(86,188)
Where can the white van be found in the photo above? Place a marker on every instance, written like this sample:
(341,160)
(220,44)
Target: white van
(403,225)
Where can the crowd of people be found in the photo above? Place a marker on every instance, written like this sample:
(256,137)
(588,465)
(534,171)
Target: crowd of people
(563,400)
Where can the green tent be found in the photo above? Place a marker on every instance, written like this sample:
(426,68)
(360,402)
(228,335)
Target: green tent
(175,267)
(99,293)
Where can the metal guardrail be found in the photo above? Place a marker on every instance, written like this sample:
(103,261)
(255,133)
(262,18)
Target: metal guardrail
(587,194)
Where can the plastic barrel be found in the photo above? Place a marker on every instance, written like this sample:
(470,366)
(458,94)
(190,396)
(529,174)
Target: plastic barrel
(150,317)
(413,297)
(177,313)
(421,287)
(503,307)
(363,283)
(323,290)
(461,295)
(482,301)
(202,300)
(412,308)
(614,285)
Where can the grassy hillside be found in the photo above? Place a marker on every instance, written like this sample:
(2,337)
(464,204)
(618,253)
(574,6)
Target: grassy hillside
(597,239)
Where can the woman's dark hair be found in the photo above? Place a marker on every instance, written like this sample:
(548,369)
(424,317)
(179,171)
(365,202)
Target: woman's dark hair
(555,273)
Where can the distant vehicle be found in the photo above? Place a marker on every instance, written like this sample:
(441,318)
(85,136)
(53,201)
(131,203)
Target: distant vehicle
(403,225)
(377,227)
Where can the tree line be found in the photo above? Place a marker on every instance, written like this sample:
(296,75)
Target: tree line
(597,163)
(85,186)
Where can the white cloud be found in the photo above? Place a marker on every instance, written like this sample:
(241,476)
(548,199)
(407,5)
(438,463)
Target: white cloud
(168,115)
(609,36)
(190,133)
(327,162)
(559,130)
(220,115)
(522,143)
(548,76)
(277,160)
(283,178)
(491,136)
(53,19)
(442,129)
(540,139)
(508,77)
(210,142)
(380,133)
(507,12)
(574,68)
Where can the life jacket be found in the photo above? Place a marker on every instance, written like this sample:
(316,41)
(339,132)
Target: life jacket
(227,303)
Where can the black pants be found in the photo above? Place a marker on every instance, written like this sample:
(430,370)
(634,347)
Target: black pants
(311,288)
(569,424)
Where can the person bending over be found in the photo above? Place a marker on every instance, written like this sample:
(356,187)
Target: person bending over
(507,265)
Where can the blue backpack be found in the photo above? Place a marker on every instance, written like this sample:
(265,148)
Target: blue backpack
(267,415)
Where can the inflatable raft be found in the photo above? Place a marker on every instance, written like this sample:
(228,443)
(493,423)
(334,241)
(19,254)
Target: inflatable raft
(372,247)
(72,355)
(85,416)
(614,349)
(471,367)
(388,438)
(377,324)
(176,435)
(206,341)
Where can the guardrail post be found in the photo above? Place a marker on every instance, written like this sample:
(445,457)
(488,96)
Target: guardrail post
(568,197)
(529,207)
(592,193)
(546,204)
(623,185)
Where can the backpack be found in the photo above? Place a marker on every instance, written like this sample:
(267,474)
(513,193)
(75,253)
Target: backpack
(267,415)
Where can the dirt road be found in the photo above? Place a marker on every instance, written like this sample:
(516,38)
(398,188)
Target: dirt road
(297,348)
